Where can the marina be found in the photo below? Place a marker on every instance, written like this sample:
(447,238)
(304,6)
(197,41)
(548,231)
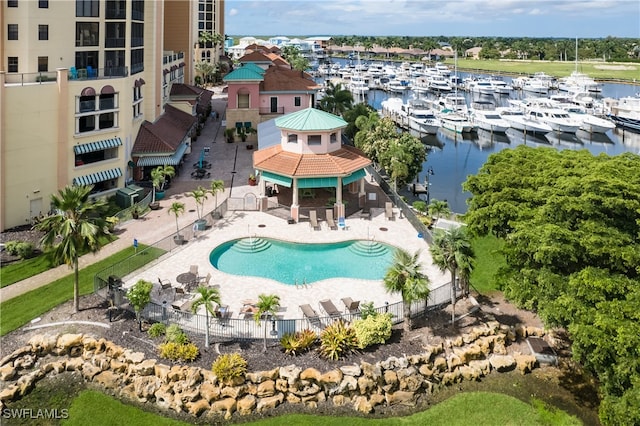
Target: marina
(453,155)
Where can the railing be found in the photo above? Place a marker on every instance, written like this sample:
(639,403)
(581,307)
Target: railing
(30,78)
(267,110)
(99,73)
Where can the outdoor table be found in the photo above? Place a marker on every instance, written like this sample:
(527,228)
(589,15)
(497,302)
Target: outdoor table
(187,279)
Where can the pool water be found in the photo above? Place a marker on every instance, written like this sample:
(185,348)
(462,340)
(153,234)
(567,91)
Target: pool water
(297,263)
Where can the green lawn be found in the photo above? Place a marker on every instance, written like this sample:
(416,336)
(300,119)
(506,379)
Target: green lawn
(20,310)
(488,261)
(481,408)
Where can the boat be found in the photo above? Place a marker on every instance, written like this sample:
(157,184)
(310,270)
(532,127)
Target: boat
(395,110)
(499,86)
(589,123)
(443,69)
(625,112)
(482,86)
(556,118)
(519,121)
(485,116)
(579,82)
(422,119)
(358,86)
(438,83)
(454,102)
(456,122)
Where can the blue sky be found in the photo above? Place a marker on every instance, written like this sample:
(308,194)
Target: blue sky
(508,18)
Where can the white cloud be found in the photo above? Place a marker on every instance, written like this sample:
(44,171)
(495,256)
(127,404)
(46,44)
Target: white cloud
(233,12)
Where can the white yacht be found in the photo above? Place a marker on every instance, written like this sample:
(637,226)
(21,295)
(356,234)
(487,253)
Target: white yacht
(499,86)
(438,83)
(485,116)
(517,120)
(482,86)
(456,122)
(443,69)
(579,82)
(588,122)
(454,102)
(558,119)
(422,119)
(358,85)
(625,112)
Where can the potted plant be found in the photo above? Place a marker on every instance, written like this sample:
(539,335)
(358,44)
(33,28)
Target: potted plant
(243,132)
(112,221)
(252,180)
(228,133)
(177,209)
(135,212)
(200,195)
(159,177)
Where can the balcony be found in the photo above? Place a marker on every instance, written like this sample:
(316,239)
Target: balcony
(23,79)
(99,73)
(268,111)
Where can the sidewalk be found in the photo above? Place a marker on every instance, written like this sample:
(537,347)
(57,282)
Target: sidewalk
(228,161)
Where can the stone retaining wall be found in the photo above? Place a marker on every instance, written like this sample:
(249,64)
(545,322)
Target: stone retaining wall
(397,380)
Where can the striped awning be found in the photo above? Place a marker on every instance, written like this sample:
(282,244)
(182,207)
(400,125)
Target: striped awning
(358,174)
(97,146)
(161,160)
(277,179)
(98,177)
(319,182)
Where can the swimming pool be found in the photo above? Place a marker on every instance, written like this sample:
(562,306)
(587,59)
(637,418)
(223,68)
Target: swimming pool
(298,263)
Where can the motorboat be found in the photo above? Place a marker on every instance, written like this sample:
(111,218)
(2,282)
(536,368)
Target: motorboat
(484,115)
(358,85)
(519,121)
(454,102)
(579,82)
(443,69)
(499,86)
(625,112)
(422,119)
(481,86)
(395,109)
(438,83)
(558,119)
(456,122)
(397,86)
(589,122)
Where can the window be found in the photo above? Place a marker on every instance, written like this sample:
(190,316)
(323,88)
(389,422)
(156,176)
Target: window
(88,8)
(12,31)
(115,34)
(333,138)
(243,100)
(114,63)
(137,61)
(107,101)
(12,3)
(85,59)
(43,32)
(13,64)
(87,33)
(96,111)
(116,9)
(297,101)
(137,10)
(137,34)
(43,63)
(43,4)
(292,138)
(314,139)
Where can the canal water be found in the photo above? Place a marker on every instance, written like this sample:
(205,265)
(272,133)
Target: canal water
(454,157)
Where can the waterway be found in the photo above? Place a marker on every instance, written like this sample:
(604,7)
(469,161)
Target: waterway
(453,157)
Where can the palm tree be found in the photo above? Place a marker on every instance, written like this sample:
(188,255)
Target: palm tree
(208,296)
(451,250)
(216,186)
(74,229)
(177,208)
(207,69)
(337,99)
(404,276)
(159,177)
(200,195)
(268,305)
(439,208)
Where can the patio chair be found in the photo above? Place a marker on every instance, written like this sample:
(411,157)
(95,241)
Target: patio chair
(194,270)
(205,280)
(388,211)
(91,73)
(351,306)
(313,219)
(330,309)
(330,222)
(341,223)
(73,73)
(164,284)
(311,315)
(366,213)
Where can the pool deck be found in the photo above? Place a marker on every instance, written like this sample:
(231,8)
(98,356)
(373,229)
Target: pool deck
(234,289)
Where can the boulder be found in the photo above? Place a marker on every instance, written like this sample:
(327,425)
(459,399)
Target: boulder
(390,377)
(209,376)
(351,370)
(74,364)
(451,377)
(339,400)
(262,376)
(311,374)
(269,403)
(483,366)
(293,399)
(112,350)
(44,344)
(409,379)
(232,391)
(376,399)
(9,394)
(332,377)
(366,384)
(117,366)
(308,390)
(469,373)
(362,404)
(440,364)
(453,362)
(225,405)
(426,370)
(67,341)
(145,387)
(161,371)
(198,407)
(192,377)
(131,357)
(209,391)
(246,404)
(502,363)
(8,373)
(291,373)
(347,385)
(108,379)
(393,363)
(176,373)
(164,397)
(145,368)
(267,388)
(89,371)
(371,370)
(525,363)
(400,398)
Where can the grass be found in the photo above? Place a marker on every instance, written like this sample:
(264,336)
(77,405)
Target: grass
(27,268)
(558,69)
(488,261)
(482,408)
(21,309)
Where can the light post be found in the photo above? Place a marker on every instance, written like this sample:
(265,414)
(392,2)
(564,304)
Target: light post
(426,184)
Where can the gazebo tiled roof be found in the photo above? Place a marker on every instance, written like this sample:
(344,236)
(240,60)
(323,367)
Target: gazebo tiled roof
(341,162)
(310,119)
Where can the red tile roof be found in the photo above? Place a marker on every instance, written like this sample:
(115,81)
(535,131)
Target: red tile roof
(282,79)
(254,57)
(166,134)
(342,162)
(202,96)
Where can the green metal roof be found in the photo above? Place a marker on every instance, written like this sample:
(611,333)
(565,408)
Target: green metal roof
(310,119)
(244,74)
(254,67)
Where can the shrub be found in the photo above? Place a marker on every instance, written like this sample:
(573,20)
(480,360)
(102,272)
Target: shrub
(337,340)
(175,351)
(22,249)
(175,334)
(375,329)
(420,206)
(367,309)
(299,342)
(156,330)
(229,367)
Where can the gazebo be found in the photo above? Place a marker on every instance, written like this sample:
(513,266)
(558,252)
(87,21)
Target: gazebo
(309,154)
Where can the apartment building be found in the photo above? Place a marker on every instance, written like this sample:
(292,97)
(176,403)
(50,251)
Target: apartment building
(78,79)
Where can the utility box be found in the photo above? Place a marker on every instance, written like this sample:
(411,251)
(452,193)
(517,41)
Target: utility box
(129,195)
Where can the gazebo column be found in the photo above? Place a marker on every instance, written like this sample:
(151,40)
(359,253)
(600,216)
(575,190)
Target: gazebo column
(362,194)
(263,187)
(339,207)
(295,206)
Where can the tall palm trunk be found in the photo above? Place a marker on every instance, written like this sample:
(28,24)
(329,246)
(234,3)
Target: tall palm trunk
(453,297)
(407,316)
(76,286)
(206,329)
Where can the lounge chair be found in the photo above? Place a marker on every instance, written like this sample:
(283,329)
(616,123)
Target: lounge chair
(311,315)
(330,309)
(341,223)
(388,211)
(365,213)
(330,222)
(351,306)
(313,220)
